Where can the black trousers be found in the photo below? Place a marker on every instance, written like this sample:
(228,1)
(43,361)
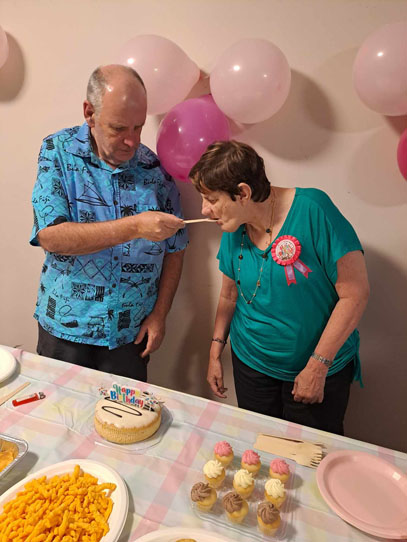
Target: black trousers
(267,395)
(123,361)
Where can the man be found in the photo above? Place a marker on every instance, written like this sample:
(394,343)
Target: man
(108,217)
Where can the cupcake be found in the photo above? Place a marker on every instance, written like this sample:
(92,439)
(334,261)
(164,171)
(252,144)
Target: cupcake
(235,507)
(203,496)
(268,518)
(214,473)
(251,461)
(279,469)
(243,482)
(274,492)
(223,453)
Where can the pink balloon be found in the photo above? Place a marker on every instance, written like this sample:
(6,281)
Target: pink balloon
(251,80)
(3,47)
(402,154)
(380,70)
(186,131)
(168,73)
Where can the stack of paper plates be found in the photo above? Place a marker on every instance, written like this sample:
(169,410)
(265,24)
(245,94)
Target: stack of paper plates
(8,364)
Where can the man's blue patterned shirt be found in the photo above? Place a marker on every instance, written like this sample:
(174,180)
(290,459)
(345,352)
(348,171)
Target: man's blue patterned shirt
(99,298)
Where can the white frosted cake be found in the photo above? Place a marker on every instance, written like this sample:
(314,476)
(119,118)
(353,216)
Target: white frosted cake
(125,423)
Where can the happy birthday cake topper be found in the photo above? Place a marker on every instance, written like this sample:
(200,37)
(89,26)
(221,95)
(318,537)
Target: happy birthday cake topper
(131,396)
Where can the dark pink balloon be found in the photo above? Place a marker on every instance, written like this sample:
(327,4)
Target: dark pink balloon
(402,154)
(186,131)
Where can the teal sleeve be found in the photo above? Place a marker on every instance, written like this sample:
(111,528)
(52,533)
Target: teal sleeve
(49,201)
(333,234)
(225,256)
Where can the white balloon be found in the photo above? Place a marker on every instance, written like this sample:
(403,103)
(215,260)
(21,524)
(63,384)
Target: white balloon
(251,80)
(380,70)
(168,73)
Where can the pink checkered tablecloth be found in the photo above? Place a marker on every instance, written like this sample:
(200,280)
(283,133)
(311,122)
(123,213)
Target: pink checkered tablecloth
(159,478)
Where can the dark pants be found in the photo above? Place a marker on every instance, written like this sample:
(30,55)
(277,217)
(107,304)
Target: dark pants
(123,361)
(264,394)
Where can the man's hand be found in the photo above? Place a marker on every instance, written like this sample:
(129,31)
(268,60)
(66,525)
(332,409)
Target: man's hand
(157,226)
(309,384)
(154,327)
(215,378)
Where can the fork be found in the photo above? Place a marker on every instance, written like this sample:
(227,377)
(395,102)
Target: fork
(307,460)
(304,453)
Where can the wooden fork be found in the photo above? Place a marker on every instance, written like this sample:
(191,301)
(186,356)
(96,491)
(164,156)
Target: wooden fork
(304,453)
(307,460)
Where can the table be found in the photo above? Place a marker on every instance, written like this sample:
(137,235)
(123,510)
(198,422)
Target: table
(160,478)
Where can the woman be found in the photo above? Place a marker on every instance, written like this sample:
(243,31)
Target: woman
(294,288)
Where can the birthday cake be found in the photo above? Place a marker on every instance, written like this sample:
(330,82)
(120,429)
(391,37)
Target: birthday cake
(124,423)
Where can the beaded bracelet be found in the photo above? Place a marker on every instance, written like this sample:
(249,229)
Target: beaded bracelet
(327,362)
(221,341)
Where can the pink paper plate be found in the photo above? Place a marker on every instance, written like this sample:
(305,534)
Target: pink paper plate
(366,491)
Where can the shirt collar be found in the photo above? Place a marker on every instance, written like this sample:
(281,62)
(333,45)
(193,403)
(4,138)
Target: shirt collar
(81,145)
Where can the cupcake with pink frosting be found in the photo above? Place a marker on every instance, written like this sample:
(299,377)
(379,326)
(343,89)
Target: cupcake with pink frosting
(251,461)
(223,453)
(280,470)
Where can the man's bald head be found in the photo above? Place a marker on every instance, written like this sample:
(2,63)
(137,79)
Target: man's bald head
(113,76)
(115,111)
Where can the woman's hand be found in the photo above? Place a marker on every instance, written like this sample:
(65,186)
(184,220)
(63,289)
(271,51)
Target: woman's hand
(215,377)
(224,315)
(309,384)
(352,287)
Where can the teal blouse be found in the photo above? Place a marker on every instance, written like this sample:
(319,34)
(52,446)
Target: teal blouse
(279,330)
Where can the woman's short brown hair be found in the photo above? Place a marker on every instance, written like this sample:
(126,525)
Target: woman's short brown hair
(226,164)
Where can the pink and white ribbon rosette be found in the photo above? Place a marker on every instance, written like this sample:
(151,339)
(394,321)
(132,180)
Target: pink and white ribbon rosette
(286,251)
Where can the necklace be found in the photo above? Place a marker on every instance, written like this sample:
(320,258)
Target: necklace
(264,255)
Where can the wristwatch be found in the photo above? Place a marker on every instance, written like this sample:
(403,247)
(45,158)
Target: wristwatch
(327,362)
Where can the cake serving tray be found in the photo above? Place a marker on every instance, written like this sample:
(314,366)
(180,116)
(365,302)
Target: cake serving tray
(18,447)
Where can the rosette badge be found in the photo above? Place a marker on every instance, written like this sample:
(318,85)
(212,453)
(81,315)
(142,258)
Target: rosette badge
(286,251)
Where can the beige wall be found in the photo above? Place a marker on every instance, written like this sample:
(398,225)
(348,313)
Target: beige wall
(323,137)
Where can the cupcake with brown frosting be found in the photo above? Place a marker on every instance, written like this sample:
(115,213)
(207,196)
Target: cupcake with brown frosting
(203,496)
(235,506)
(268,518)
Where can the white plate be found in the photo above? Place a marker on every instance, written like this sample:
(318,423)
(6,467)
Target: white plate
(8,364)
(175,533)
(104,474)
